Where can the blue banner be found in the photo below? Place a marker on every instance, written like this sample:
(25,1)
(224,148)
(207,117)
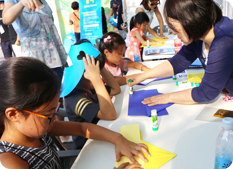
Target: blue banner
(90,19)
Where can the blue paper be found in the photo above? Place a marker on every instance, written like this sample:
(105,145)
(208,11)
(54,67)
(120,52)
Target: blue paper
(196,63)
(136,108)
(156,79)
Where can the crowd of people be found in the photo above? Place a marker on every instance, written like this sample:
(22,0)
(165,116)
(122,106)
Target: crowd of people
(32,87)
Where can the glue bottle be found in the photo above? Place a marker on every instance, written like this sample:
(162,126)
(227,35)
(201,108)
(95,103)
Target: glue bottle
(177,44)
(130,88)
(154,120)
(224,146)
(186,84)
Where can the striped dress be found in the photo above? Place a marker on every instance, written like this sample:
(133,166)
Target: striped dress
(45,157)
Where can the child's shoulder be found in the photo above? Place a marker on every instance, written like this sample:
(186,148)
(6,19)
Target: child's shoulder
(11,160)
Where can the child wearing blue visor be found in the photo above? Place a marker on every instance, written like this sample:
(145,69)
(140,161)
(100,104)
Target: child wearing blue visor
(86,97)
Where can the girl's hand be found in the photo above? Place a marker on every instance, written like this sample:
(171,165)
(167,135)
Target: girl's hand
(137,78)
(154,100)
(124,147)
(129,166)
(92,70)
(31,5)
(162,37)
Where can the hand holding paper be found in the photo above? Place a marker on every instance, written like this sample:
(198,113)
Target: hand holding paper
(158,156)
(130,148)
(156,100)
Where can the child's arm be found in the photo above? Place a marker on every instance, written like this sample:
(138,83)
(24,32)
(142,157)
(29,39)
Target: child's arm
(92,72)
(10,160)
(92,131)
(110,81)
(137,65)
(12,11)
(161,25)
(70,20)
(143,41)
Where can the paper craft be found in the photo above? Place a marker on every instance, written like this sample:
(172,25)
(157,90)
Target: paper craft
(147,81)
(136,108)
(158,156)
(154,45)
(157,39)
(162,51)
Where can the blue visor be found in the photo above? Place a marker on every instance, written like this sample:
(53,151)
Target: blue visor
(74,72)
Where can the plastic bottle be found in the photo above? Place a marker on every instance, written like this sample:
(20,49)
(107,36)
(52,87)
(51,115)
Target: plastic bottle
(224,145)
(130,88)
(177,44)
(136,53)
(155,125)
(186,84)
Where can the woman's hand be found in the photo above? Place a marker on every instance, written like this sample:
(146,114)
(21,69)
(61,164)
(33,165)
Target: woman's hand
(137,78)
(154,100)
(92,70)
(129,166)
(124,147)
(31,5)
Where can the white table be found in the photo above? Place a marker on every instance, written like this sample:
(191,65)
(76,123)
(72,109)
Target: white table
(193,141)
(169,44)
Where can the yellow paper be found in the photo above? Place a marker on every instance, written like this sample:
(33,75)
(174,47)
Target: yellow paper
(158,156)
(132,133)
(195,77)
(154,45)
(156,39)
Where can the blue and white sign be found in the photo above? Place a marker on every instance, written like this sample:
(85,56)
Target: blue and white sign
(90,19)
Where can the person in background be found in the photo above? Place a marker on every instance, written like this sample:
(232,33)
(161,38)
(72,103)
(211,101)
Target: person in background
(112,45)
(206,35)
(39,38)
(74,19)
(120,19)
(150,7)
(104,22)
(29,99)
(88,100)
(114,6)
(8,36)
(138,23)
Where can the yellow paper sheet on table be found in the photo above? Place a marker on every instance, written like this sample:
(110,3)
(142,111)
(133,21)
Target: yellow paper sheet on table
(158,156)
(154,45)
(156,39)
(132,133)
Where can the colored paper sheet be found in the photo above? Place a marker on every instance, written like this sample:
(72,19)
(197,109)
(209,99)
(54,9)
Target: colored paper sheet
(154,45)
(136,108)
(155,38)
(147,81)
(158,156)
(132,133)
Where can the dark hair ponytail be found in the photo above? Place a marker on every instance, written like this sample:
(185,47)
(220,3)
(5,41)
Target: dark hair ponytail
(139,18)
(110,41)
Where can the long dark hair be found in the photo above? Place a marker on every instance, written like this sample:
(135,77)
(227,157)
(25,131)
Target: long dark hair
(145,4)
(26,84)
(113,41)
(139,18)
(196,16)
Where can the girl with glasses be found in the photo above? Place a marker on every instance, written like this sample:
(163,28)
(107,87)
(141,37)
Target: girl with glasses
(150,7)
(29,96)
